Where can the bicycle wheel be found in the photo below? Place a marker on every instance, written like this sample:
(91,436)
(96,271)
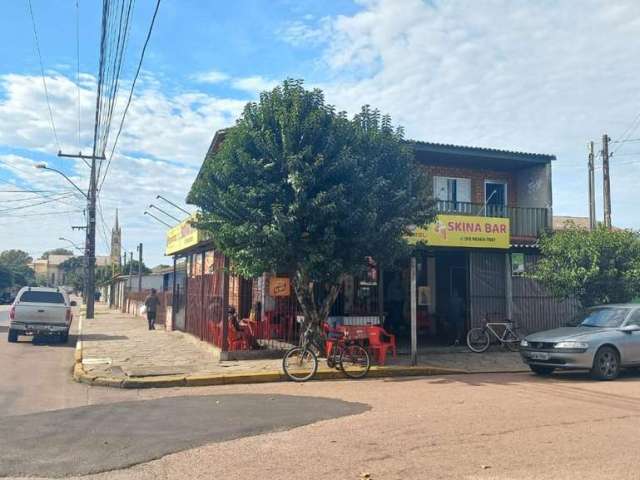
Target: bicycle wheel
(478,340)
(511,340)
(354,361)
(300,364)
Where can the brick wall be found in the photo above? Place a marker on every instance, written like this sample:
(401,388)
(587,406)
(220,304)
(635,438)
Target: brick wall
(478,178)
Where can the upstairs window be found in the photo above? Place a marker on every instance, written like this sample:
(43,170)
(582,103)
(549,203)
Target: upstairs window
(453,194)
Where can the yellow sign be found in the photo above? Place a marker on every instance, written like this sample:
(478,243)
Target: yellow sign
(182,237)
(464,231)
(279,287)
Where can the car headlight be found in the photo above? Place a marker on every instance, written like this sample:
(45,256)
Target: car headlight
(524,343)
(571,345)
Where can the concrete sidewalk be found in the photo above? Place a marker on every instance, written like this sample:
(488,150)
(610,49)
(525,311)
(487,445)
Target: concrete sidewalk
(118,350)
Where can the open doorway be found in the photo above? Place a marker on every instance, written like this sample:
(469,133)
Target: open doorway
(452,275)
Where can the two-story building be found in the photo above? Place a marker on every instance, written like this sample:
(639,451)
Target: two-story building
(467,266)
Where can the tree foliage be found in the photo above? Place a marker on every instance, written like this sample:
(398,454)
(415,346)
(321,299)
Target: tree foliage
(596,267)
(6,277)
(17,263)
(296,187)
(15,258)
(131,268)
(74,273)
(56,251)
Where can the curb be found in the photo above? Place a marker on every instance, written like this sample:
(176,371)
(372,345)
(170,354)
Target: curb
(202,380)
(78,371)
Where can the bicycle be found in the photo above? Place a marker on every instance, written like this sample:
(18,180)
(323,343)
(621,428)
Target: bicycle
(301,363)
(479,340)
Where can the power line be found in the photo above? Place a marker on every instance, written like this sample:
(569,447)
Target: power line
(133,85)
(123,32)
(34,191)
(66,212)
(118,27)
(27,199)
(627,133)
(22,207)
(627,154)
(44,81)
(105,237)
(626,141)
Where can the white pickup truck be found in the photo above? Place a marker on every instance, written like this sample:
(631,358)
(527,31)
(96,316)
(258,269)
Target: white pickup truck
(40,311)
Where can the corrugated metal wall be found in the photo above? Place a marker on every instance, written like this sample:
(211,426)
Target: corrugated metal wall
(534,308)
(486,287)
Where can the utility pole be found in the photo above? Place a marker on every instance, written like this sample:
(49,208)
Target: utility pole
(90,238)
(606,187)
(140,267)
(130,269)
(592,189)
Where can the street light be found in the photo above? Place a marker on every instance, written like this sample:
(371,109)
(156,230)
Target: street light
(88,258)
(43,166)
(75,245)
(157,219)
(171,203)
(167,214)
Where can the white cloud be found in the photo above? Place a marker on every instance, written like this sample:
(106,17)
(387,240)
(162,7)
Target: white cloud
(213,76)
(535,76)
(254,84)
(163,144)
(307,31)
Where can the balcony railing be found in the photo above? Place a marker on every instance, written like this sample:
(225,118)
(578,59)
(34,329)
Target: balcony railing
(528,222)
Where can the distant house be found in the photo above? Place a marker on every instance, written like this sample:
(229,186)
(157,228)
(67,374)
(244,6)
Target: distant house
(561,222)
(48,269)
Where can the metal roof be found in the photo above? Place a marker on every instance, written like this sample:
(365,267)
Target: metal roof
(494,154)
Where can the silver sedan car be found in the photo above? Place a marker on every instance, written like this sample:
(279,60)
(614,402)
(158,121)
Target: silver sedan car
(603,340)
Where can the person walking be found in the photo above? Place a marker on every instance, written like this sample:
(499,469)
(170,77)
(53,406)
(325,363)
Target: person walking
(151,303)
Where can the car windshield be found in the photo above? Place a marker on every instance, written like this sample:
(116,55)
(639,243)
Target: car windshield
(603,317)
(33,296)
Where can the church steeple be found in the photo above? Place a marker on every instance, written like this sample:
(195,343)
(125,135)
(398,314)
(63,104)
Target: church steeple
(116,243)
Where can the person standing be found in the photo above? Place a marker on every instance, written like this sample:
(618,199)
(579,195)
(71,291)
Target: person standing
(151,303)
(456,316)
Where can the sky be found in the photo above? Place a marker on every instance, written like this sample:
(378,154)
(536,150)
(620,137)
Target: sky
(546,76)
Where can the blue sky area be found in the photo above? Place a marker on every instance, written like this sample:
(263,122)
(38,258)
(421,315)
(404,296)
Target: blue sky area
(533,76)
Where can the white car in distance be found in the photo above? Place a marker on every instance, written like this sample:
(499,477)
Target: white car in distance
(40,311)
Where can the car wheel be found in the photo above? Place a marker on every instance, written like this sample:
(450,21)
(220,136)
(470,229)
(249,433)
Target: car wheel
(12,336)
(606,364)
(540,370)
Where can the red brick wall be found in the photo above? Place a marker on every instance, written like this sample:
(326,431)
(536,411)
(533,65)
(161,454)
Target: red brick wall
(478,178)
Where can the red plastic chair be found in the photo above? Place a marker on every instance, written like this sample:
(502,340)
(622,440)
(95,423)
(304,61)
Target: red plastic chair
(380,342)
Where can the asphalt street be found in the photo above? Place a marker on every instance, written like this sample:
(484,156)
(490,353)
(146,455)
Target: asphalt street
(481,426)
(127,433)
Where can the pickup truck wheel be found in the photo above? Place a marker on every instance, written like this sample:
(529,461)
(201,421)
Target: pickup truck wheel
(12,336)
(64,337)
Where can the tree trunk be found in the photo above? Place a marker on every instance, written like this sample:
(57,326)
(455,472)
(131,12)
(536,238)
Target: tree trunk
(315,312)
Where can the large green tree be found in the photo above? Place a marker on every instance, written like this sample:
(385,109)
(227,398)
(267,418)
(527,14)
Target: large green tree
(596,267)
(6,278)
(15,258)
(297,187)
(74,273)
(18,263)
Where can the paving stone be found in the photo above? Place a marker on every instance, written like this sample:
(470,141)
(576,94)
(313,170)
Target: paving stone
(133,348)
